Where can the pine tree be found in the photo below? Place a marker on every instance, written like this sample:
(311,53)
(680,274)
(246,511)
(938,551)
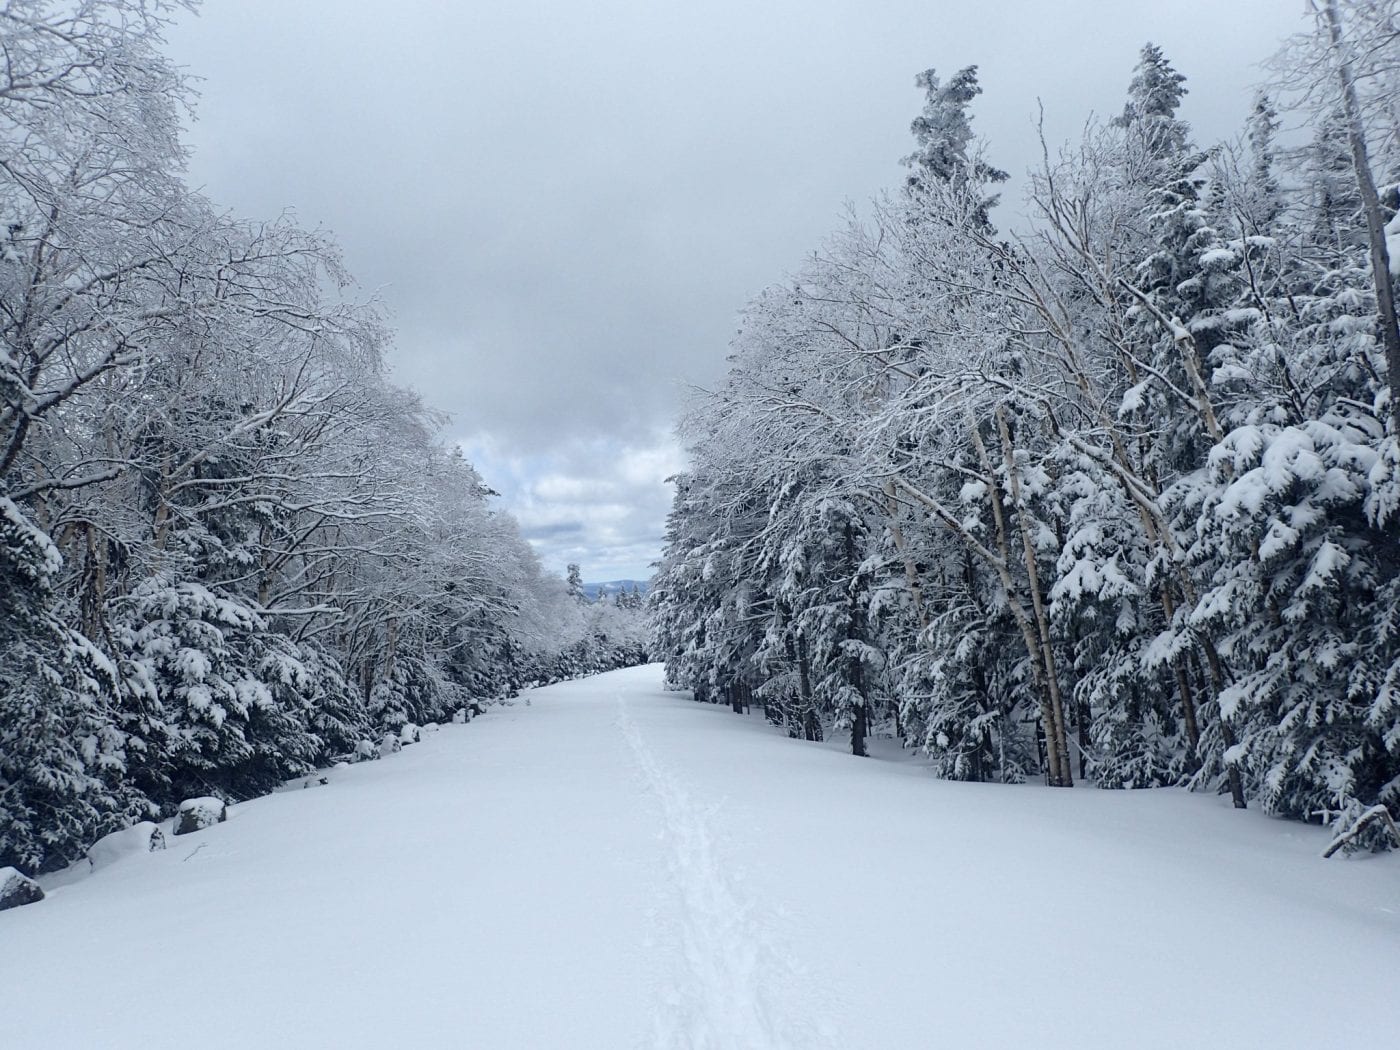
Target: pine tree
(575,582)
(60,755)
(1154,96)
(224,703)
(943,136)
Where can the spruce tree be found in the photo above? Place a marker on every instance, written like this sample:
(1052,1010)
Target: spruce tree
(60,756)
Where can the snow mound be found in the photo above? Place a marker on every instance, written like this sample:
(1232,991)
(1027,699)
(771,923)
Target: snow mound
(365,751)
(144,837)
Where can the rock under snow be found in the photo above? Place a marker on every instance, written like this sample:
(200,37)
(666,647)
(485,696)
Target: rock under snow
(144,837)
(390,744)
(365,751)
(410,734)
(196,814)
(17,889)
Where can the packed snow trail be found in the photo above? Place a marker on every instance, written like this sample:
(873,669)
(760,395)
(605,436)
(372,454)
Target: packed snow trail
(617,867)
(734,987)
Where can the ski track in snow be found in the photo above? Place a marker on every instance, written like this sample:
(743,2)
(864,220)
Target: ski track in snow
(735,982)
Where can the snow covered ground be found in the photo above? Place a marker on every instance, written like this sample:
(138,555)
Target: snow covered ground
(614,866)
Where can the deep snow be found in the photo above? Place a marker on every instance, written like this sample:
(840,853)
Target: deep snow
(615,866)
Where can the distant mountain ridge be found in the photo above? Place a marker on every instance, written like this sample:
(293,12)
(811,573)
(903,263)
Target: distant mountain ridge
(613,587)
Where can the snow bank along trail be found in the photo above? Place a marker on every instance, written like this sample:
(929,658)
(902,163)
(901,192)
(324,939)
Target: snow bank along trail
(615,866)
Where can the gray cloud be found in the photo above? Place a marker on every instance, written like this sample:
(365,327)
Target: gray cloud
(564,205)
(600,502)
(553,532)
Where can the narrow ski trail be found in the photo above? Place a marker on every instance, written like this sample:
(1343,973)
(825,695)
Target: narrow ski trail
(735,989)
(616,867)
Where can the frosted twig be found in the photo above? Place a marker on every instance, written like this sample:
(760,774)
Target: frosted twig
(1375,813)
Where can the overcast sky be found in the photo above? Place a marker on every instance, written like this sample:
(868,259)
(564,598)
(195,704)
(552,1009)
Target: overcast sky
(565,203)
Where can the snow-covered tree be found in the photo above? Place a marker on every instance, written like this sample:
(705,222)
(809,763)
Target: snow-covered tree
(230,548)
(1114,498)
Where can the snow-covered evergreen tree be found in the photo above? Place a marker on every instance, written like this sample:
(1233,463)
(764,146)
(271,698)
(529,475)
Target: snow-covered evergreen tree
(61,759)
(1129,481)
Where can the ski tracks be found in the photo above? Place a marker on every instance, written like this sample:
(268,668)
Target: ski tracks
(736,991)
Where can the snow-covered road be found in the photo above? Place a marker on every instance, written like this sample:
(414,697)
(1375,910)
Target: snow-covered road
(616,867)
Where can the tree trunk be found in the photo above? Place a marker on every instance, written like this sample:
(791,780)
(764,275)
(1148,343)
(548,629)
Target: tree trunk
(854,631)
(811,724)
(161,527)
(1371,207)
(1058,738)
(911,572)
(860,717)
(1227,731)
(1188,700)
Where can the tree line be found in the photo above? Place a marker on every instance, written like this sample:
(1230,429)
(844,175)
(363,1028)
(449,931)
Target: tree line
(1111,498)
(230,548)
